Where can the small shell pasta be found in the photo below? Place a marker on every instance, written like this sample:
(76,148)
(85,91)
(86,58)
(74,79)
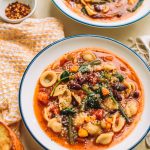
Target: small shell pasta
(55,125)
(130,87)
(90,11)
(48,78)
(47,113)
(79,119)
(76,97)
(131,108)
(83,2)
(97,68)
(65,99)
(88,56)
(92,128)
(60,89)
(120,122)
(109,67)
(105,138)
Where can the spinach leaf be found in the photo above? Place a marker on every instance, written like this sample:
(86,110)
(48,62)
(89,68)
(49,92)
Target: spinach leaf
(119,76)
(92,102)
(67,111)
(65,76)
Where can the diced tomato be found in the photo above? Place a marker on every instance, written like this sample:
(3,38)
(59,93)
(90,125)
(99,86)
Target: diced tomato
(98,113)
(56,110)
(63,61)
(43,97)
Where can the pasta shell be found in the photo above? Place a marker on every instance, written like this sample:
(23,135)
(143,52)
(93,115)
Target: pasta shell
(97,68)
(48,78)
(131,108)
(105,138)
(47,113)
(90,11)
(92,129)
(76,97)
(88,56)
(65,99)
(83,2)
(120,122)
(55,125)
(130,88)
(79,119)
(60,89)
(109,67)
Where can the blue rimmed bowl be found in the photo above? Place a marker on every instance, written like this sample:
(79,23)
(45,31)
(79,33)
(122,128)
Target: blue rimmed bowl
(57,49)
(143,11)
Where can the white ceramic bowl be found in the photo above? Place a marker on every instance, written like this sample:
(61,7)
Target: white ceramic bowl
(141,13)
(55,50)
(5,3)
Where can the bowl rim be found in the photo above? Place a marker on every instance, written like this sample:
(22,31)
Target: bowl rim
(59,41)
(99,26)
(21,19)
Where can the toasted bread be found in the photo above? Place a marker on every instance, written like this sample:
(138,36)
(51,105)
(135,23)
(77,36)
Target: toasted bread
(8,140)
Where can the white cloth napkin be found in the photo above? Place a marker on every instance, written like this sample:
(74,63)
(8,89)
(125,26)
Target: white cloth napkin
(140,44)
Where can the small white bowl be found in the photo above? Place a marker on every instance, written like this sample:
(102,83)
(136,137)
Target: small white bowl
(5,3)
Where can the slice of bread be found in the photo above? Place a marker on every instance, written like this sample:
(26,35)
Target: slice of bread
(8,140)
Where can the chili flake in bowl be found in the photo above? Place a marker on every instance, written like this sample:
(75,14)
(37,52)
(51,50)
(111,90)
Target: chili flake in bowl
(17,10)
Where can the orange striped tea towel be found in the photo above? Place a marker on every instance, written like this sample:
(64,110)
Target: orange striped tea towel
(19,43)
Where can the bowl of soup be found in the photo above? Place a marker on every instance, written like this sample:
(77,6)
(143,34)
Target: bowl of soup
(92,95)
(104,13)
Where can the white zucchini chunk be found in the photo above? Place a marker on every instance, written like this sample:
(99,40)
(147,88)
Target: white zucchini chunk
(116,127)
(110,104)
(48,78)
(131,108)
(105,138)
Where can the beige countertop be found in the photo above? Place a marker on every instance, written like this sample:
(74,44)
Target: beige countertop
(45,8)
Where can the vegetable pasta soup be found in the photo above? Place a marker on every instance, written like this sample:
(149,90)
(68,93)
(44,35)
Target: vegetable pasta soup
(88,98)
(104,9)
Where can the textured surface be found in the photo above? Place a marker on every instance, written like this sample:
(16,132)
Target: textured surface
(18,45)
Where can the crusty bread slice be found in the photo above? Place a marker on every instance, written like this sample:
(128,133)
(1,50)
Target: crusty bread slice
(8,140)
